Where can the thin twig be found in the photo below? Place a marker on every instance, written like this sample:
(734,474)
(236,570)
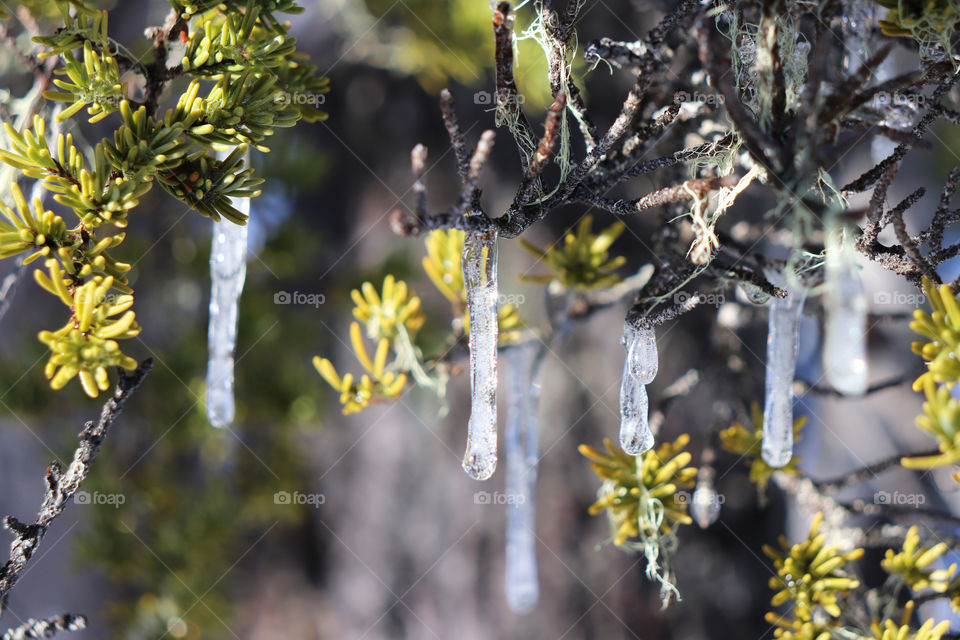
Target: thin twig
(62,485)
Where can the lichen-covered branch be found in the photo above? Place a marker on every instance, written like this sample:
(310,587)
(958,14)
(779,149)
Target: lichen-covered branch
(61,484)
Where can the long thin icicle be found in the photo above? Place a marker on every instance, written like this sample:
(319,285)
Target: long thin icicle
(782,343)
(479,263)
(845,324)
(639,369)
(858,19)
(522,450)
(228,269)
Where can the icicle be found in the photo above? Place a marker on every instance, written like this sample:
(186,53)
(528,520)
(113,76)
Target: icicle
(782,341)
(639,369)
(520,574)
(479,262)
(856,25)
(754,294)
(845,326)
(228,268)
(705,503)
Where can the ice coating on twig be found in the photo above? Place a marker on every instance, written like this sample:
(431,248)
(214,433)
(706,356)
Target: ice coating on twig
(639,369)
(520,573)
(845,322)
(782,342)
(754,294)
(479,262)
(228,269)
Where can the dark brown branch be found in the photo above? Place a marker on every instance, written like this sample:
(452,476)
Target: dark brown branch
(867,180)
(894,510)
(764,149)
(697,187)
(900,228)
(892,383)
(62,485)
(867,472)
(46,628)
(551,130)
(457,140)
(470,191)
(942,218)
(418,162)
(875,210)
(507,96)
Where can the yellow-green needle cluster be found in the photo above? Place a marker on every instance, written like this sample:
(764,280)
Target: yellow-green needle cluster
(583,261)
(811,576)
(255,77)
(630,481)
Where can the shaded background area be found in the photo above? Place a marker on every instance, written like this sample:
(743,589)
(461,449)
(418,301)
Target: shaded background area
(400,546)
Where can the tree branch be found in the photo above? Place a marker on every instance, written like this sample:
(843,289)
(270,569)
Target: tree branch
(61,486)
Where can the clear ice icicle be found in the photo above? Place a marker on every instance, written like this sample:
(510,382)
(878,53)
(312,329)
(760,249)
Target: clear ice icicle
(782,341)
(845,323)
(520,573)
(639,369)
(228,268)
(856,24)
(754,294)
(479,262)
(705,502)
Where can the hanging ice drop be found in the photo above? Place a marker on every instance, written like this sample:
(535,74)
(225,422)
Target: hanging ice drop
(705,502)
(228,268)
(479,263)
(639,369)
(845,325)
(641,345)
(782,341)
(754,294)
(520,573)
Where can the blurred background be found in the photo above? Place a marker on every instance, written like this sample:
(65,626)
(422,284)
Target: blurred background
(397,543)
